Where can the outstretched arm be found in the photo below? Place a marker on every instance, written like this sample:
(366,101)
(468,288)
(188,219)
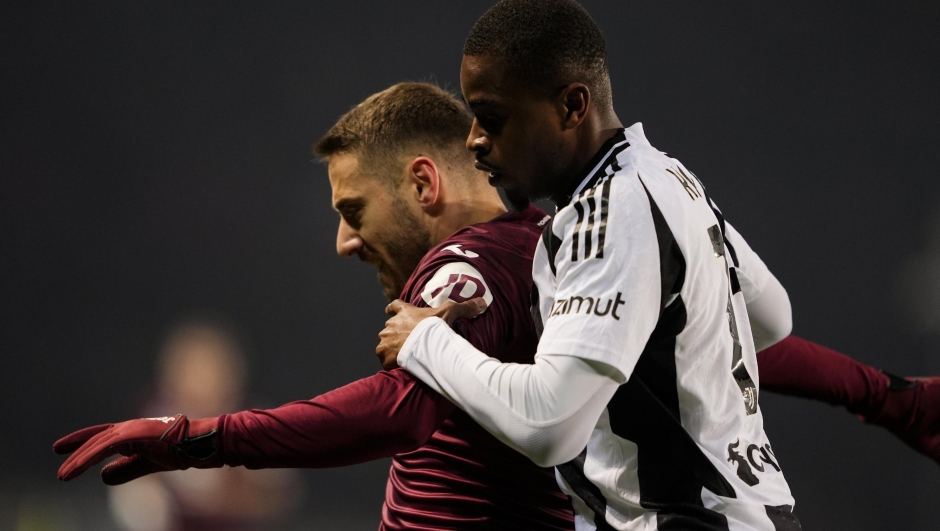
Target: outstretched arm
(907,407)
(334,429)
(337,428)
(801,368)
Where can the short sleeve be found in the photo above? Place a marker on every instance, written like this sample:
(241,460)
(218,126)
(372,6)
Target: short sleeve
(751,271)
(607,283)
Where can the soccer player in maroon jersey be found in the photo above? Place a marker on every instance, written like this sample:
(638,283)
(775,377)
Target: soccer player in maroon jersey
(412,205)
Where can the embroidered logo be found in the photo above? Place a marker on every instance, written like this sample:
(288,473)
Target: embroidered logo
(458,282)
(457,250)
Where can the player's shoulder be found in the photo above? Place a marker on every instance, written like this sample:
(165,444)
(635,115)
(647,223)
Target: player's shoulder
(641,176)
(615,203)
(468,262)
(618,170)
(511,231)
(511,236)
(658,173)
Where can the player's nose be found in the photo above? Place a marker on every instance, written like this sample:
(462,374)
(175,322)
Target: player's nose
(348,241)
(477,140)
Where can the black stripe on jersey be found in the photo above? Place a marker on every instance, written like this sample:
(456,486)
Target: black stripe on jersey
(536,311)
(605,200)
(671,468)
(589,231)
(782,517)
(738,369)
(735,283)
(671,261)
(589,195)
(721,222)
(577,230)
(614,165)
(691,519)
(731,253)
(573,472)
(600,177)
(602,229)
(724,230)
(552,243)
(609,162)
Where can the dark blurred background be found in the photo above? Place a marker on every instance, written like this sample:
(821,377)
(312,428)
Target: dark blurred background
(155,160)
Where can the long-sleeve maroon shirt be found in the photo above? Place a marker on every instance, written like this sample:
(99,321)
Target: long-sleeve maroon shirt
(447,472)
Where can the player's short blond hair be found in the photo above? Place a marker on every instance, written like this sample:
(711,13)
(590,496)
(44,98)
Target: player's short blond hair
(406,119)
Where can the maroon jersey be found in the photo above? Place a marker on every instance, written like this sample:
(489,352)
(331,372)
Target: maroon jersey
(447,472)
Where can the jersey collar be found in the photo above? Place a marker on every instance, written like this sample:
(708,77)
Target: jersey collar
(593,170)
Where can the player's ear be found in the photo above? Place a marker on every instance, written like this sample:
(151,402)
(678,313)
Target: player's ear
(572,104)
(425,182)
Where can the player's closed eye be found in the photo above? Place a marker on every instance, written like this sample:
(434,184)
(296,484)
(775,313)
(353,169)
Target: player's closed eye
(491,124)
(353,217)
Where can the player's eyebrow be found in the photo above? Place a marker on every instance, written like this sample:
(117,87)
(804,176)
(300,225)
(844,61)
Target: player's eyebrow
(481,102)
(349,203)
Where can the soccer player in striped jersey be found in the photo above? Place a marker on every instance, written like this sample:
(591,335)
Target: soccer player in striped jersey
(644,391)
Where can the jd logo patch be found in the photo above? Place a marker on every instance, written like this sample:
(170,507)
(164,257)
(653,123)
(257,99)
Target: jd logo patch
(457,282)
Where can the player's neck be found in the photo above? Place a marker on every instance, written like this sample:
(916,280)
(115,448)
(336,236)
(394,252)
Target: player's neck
(593,134)
(463,212)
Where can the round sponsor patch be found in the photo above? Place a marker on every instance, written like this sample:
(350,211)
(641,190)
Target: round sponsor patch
(457,282)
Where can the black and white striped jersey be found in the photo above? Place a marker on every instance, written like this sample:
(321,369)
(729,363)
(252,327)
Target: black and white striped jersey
(637,272)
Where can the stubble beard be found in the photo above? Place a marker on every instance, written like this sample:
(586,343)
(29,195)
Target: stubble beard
(408,242)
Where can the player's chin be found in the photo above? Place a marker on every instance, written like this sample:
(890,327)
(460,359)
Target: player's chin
(523,182)
(496,178)
(390,287)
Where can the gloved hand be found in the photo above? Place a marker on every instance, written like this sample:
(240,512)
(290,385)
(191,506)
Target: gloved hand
(910,409)
(148,445)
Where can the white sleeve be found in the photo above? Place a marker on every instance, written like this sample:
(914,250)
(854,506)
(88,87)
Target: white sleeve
(770,315)
(768,306)
(546,411)
(606,292)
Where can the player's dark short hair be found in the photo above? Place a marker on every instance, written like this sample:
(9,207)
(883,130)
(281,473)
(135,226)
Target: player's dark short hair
(407,117)
(546,44)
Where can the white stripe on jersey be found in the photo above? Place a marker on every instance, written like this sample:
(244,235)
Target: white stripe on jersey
(633,273)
